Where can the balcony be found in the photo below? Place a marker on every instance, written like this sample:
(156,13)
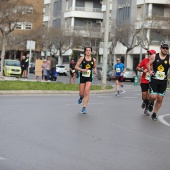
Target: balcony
(140,2)
(47,2)
(82,12)
(45,18)
(94,32)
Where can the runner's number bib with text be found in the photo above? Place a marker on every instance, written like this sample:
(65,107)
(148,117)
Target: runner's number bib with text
(86,74)
(160,75)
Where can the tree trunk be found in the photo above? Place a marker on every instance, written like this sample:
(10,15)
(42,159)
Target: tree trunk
(4,39)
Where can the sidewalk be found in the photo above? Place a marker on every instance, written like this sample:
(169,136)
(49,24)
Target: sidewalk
(32,92)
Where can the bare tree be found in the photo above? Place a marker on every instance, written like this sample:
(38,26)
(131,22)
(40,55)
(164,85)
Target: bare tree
(11,13)
(58,42)
(127,36)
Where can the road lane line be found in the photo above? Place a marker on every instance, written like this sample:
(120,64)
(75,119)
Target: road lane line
(1,158)
(161,118)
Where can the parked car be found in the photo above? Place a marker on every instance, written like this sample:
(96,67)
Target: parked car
(11,68)
(99,71)
(61,69)
(128,75)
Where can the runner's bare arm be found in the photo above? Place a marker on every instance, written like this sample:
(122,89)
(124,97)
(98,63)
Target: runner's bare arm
(94,67)
(152,59)
(78,64)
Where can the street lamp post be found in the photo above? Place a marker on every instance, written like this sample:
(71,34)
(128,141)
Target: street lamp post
(105,50)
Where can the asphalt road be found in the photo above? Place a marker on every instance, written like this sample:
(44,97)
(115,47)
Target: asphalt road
(48,133)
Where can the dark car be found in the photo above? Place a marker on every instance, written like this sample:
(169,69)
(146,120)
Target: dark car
(99,71)
(128,75)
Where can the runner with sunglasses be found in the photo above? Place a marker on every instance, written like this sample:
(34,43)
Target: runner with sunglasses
(158,84)
(145,79)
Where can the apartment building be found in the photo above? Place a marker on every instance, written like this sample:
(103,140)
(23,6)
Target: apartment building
(74,16)
(26,27)
(150,16)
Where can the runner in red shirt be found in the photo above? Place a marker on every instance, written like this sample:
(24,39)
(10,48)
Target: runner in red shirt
(144,82)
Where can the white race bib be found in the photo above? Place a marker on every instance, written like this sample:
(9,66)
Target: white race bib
(73,71)
(160,75)
(147,76)
(86,74)
(118,70)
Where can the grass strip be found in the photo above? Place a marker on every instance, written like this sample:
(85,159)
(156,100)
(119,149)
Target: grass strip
(29,85)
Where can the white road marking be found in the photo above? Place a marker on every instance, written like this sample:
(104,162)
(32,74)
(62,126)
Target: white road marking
(129,97)
(2,158)
(161,118)
(88,104)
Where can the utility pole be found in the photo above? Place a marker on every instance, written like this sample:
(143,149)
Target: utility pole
(105,50)
(142,28)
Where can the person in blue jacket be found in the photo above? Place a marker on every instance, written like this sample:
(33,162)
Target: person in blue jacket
(119,69)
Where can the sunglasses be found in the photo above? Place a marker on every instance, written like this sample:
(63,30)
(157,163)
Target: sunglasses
(149,53)
(165,48)
(118,60)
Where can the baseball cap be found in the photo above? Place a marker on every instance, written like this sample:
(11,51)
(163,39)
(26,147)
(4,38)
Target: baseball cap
(151,51)
(164,45)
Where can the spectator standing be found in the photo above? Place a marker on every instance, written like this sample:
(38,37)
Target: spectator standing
(26,64)
(48,67)
(53,67)
(23,69)
(72,72)
(44,70)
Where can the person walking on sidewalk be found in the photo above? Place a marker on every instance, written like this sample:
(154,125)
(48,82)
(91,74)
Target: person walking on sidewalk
(88,63)
(158,84)
(119,71)
(145,79)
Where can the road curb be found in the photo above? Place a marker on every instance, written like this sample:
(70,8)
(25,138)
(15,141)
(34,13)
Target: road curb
(54,92)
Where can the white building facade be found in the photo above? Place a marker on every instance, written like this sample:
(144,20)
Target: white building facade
(150,16)
(78,16)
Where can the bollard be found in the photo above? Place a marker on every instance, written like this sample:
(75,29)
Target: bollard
(136,80)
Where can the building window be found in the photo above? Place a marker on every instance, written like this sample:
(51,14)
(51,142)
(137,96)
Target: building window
(28,26)
(23,26)
(18,26)
(29,10)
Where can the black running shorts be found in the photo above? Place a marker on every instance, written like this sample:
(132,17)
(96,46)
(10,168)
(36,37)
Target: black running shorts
(158,87)
(144,87)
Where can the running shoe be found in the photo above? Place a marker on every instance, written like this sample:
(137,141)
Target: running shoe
(154,117)
(150,106)
(143,105)
(118,94)
(83,111)
(79,101)
(146,112)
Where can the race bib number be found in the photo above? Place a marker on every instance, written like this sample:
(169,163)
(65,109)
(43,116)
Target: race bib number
(147,76)
(118,70)
(73,71)
(86,74)
(160,75)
